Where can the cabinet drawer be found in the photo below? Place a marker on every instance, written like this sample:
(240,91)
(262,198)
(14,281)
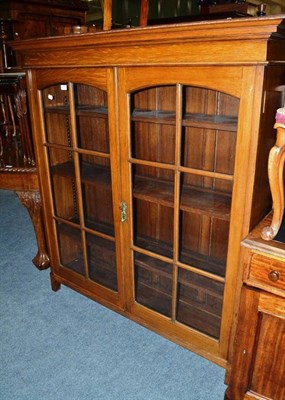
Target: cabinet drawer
(266,273)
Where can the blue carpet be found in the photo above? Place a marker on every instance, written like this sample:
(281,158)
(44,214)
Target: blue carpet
(63,346)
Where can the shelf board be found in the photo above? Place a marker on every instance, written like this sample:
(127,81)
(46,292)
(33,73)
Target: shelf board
(92,111)
(206,202)
(205,121)
(203,262)
(154,288)
(193,259)
(154,190)
(193,199)
(81,110)
(76,265)
(91,224)
(154,116)
(96,175)
(65,169)
(57,110)
(107,229)
(91,174)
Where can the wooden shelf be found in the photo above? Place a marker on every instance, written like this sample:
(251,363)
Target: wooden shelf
(92,111)
(198,319)
(155,246)
(76,265)
(206,202)
(84,110)
(57,110)
(193,199)
(154,190)
(154,290)
(107,229)
(205,121)
(203,262)
(194,259)
(96,175)
(91,174)
(154,116)
(100,227)
(101,269)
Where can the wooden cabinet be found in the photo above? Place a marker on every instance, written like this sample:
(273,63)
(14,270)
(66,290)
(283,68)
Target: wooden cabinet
(151,144)
(258,367)
(38,18)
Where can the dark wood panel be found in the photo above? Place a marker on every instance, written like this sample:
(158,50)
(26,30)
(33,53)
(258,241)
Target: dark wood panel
(268,376)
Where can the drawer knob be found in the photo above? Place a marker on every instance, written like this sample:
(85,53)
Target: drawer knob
(274,276)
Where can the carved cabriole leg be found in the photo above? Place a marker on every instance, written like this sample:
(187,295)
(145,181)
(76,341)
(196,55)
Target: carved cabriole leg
(275,172)
(32,201)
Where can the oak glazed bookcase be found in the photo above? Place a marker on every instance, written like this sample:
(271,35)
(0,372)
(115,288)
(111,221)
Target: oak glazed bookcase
(152,147)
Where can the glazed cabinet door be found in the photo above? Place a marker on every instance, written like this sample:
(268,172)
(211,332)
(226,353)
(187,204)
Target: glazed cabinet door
(179,159)
(77,152)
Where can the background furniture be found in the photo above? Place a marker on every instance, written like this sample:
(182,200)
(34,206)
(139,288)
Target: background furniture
(21,20)
(258,364)
(17,162)
(38,18)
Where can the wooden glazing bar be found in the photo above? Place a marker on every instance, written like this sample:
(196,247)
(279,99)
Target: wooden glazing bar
(92,152)
(201,272)
(69,222)
(58,146)
(152,164)
(78,177)
(188,266)
(76,225)
(179,264)
(99,234)
(177,190)
(192,199)
(152,254)
(208,174)
(193,171)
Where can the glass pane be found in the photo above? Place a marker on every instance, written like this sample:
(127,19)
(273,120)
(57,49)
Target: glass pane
(153,283)
(153,193)
(199,302)
(63,184)
(101,255)
(209,130)
(153,124)
(204,222)
(92,118)
(70,248)
(57,114)
(160,141)
(97,193)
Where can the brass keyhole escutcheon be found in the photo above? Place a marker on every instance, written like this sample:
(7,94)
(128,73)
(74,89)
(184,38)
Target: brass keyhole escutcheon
(123,209)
